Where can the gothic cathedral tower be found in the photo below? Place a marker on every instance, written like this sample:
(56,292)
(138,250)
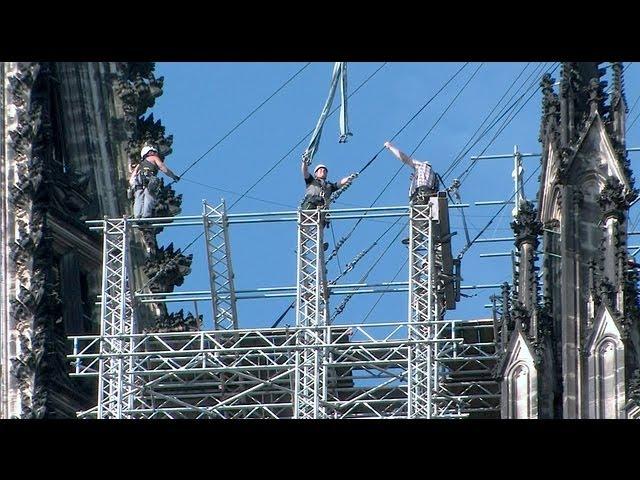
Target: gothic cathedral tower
(70,133)
(573,345)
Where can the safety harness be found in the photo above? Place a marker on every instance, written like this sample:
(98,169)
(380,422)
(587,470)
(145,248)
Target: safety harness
(147,175)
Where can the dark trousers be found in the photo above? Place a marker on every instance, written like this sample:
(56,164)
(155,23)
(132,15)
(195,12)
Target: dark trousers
(310,202)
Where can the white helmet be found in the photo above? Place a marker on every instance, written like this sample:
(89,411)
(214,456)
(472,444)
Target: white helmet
(320,166)
(146,149)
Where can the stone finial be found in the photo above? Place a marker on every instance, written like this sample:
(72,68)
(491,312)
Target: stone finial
(526,226)
(617,94)
(167,268)
(612,199)
(550,107)
(521,316)
(595,95)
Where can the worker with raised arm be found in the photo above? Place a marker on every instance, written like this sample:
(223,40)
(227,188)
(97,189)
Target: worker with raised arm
(144,181)
(423,179)
(319,189)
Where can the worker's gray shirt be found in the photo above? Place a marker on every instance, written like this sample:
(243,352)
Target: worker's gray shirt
(321,188)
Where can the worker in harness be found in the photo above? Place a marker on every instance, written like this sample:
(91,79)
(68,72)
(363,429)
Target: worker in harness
(319,189)
(144,181)
(423,179)
(424,183)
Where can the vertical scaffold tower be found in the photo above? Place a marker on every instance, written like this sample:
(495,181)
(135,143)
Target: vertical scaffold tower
(216,233)
(438,353)
(116,382)
(423,312)
(312,313)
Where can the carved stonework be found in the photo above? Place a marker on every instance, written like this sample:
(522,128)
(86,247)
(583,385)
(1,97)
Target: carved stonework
(563,166)
(612,199)
(138,88)
(545,322)
(150,132)
(605,293)
(617,94)
(597,96)
(633,391)
(617,113)
(526,226)
(167,268)
(29,216)
(520,316)
(36,308)
(168,204)
(550,112)
(507,322)
(581,93)
(176,322)
(631,315)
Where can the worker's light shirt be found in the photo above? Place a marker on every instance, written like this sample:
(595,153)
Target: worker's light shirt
(422,176)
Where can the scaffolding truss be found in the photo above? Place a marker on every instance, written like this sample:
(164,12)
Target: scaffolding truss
(312,312)
(424,367)
(216,234)
(116,367)
(424,311)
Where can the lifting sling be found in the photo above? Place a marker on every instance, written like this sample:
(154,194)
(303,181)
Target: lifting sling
(339,75)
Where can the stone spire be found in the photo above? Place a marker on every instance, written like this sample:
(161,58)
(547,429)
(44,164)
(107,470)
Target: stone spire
(618,109)
(527,228)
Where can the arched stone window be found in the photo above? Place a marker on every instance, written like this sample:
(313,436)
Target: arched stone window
(605,367)
(522,390)
(519,396)
(607,378)
(519,391)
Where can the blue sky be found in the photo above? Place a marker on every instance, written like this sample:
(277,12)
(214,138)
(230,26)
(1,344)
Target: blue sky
(203,101)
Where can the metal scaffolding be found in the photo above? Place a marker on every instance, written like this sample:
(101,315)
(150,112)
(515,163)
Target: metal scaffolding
(424,367)
(424,311)
(118,323)
(312,312)
(216,234)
